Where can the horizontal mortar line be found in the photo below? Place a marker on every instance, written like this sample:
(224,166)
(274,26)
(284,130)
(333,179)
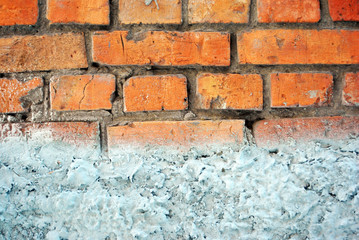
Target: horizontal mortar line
(27,30)
(240,69)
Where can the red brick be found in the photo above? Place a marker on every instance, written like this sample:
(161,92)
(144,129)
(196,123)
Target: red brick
(47,52)
(344,10)
(230,91)
(180,135)
(218,11)
(301,89)
(11,91)
(135,12)
(77,133)
(270,47)
(288,11)
(351,89)
(20,12)
(271,133)
(162,48)
(156,93)
(78,11)
(82,92)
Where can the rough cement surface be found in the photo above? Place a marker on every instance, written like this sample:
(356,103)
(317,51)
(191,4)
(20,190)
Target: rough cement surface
(51,190)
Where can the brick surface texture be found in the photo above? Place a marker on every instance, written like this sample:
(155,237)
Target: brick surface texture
(135,12)
(179,73)
(272,47)
(271,133)
(156,93)
(12,90)
(78,133)
(78,11)
(218,11)
(161,48)
(288,11)
(230,91)
(18,12)
(82,92)
(344,10)
(351,89)
(185,133)
(47,52)
(301,89)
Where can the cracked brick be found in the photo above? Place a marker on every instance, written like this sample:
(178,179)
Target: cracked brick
(81,92)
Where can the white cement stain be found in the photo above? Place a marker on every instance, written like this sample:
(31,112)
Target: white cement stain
(56,191)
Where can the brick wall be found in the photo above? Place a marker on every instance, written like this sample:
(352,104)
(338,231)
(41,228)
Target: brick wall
(181,71)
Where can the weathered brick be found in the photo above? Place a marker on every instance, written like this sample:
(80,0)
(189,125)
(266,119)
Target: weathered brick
(12,90)
(82,92)
(156,93)
(351,89)
(78,11)
(135,12)
(344,10)
(77,133)
(301,89)
(181,135)
(271,133)
(298,47)
(162,48)
(288,11)
(47,52)
(230,91)
(218,11)
(20,12)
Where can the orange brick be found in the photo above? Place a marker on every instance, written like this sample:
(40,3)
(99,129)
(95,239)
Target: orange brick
(181,135)
(11,91)
(79,11)
(298,47)
(77,133)
(271,133)
(218,11)
(82,92)
(162,48)
(156,93)
(135,12)
(21,12)
(351,89)
(288,11)
(301,89)
(47,52)
(344,10)
(230,91)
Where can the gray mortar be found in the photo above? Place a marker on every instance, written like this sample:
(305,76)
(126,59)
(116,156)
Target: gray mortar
(39,111)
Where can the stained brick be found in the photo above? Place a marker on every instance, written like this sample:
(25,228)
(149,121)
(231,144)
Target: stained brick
(21,12)
(47,52)
(77,133)
(344,10)
(12,90)
(82,92)
(288,11)
(135,12)
(156,93)
(79,11)
(301,89)
(351,89)
(218,11)
(281,46)
(271,133)
(230,91)
(180,135)
(161,48)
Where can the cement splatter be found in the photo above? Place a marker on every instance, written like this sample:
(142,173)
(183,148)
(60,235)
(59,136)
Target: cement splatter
(56,191)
